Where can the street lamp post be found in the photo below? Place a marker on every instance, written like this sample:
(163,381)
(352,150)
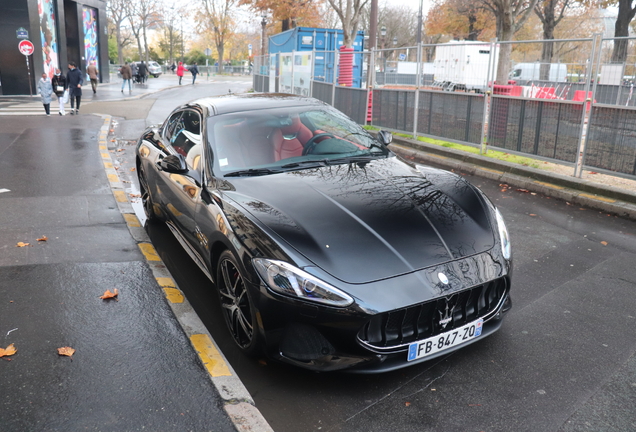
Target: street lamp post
(394,46)
(383,35)
(263,24)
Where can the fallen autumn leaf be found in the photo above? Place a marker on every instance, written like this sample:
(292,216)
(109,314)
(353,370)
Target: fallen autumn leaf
(66,351)
(10,350)
(43,239)
(109,295)
(604,243)
(22,244)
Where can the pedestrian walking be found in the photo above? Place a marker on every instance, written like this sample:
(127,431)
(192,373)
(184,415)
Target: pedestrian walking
(142,71)
(173,67)
(180,71)
(194,70)
(75,81)
(59,87)
(135,70)
(126,75)
(92,72)
(45,89)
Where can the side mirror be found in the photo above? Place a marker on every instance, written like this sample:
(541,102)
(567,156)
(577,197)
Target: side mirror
(173,164)
(385,137)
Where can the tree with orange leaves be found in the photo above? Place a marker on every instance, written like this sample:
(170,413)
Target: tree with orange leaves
(290,13)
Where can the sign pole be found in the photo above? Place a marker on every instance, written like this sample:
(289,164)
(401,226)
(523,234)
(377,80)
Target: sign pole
(29,74)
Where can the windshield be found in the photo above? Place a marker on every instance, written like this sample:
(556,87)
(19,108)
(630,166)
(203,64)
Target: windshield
(268,141)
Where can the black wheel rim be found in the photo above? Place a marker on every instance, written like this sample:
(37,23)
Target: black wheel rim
(236,304)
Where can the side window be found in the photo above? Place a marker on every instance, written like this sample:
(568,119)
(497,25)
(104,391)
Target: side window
(186,138)
(172,122)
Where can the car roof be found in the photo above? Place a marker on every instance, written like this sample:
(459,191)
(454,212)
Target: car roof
(253,101)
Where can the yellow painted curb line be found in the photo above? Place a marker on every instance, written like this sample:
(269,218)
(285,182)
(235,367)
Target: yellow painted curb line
(597,198)
(550,185)
(149,251)
(132,220)
(210,356)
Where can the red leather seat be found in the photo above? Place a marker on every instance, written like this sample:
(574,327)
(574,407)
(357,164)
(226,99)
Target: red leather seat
(289,141)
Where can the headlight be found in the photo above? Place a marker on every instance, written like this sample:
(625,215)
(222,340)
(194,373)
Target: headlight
(503,235)
(286,279)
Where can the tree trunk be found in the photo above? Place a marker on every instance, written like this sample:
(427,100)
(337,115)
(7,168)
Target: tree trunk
(473,33)
(220,47)
(547,51)
(285,24)
(120,51)
(621,29)
(505,50)
(145,44)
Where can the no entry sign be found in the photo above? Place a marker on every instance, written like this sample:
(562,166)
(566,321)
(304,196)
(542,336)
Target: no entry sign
(26,47)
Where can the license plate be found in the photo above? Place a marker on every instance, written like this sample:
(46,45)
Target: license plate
(443,341)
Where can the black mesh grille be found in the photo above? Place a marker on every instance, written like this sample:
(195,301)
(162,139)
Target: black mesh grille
(421,321)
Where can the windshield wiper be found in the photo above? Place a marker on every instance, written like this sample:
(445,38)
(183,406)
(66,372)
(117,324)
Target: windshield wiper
(251,172)
(320,162)
(351,159)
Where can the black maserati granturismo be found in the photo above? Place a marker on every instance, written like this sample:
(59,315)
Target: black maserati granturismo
(327,250)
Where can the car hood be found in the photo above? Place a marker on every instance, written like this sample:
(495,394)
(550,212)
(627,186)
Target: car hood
(362,222)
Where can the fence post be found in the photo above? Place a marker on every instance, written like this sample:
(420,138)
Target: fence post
(418,77)
(487,98)
(586,115)
(293,60)
(336,60)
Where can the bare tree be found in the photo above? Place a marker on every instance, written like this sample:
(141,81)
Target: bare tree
(349,12)
(142,14)
(218,18)
(117,14)
(510,16)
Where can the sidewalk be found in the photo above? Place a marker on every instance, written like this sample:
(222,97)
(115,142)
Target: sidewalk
(607,193)
(64,242)
(21,105)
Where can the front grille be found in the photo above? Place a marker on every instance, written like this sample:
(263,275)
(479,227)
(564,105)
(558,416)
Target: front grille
(403,326)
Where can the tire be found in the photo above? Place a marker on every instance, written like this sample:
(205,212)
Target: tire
(237,305)
(146,198)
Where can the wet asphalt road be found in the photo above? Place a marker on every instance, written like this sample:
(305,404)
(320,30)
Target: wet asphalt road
(563,360)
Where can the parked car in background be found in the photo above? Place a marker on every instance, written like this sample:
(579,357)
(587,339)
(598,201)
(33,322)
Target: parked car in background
(327,250)
(154,69)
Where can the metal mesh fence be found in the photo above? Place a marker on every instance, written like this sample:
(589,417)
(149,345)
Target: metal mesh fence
(611,140)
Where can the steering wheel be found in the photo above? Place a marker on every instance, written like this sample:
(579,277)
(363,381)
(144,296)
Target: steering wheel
(311,144)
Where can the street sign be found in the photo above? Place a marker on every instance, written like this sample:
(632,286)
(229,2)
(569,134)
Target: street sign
(26,47)
(207,51)
(22,33)
(402,57)
(249,46)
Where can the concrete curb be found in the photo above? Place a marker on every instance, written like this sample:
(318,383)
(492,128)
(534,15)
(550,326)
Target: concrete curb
(237,401)
(571,189)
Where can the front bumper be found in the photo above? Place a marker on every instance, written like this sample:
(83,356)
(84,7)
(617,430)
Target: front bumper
(310,338)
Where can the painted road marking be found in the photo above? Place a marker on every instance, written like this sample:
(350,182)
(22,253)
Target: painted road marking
(4,190)
(132,220)
(210,356)
(491,170)
(120,196)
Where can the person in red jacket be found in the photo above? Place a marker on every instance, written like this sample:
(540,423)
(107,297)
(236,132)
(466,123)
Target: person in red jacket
(180,70)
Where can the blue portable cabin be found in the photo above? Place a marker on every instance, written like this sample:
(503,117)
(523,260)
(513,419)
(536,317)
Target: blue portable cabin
(324,42)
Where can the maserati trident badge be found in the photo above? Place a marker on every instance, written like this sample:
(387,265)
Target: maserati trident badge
(447,317)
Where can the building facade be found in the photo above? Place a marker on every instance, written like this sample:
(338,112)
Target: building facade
(61,31)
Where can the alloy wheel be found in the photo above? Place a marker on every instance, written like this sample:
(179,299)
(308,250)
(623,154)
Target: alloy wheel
(236,304)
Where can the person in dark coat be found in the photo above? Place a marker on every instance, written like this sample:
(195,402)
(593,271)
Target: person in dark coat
(59,86)
(194,70)
(143,72)
(134,69)
(173,67)
(126,75)
(75,81)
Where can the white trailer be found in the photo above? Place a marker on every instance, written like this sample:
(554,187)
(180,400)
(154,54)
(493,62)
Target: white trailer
(464,64)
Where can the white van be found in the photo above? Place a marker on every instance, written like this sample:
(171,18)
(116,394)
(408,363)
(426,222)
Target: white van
(532,72)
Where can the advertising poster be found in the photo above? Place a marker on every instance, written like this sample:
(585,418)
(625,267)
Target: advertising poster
(286,73)
(91,44)
(302,73)
(48,33)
